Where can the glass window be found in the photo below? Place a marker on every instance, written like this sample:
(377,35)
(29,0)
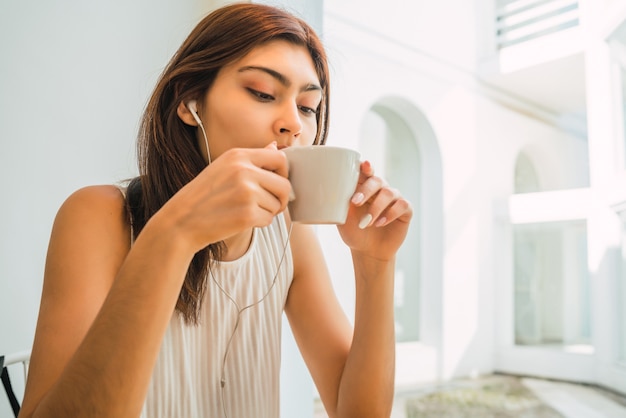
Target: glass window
(390,145)
(623,108)
(552,289)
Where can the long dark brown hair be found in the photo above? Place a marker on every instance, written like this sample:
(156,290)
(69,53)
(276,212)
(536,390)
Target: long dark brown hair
(168,153)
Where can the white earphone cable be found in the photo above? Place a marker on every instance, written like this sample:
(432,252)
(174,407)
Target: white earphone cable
(239,310)
(206,143)
(192,107)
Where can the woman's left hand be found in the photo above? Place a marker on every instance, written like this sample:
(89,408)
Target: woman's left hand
(378,218)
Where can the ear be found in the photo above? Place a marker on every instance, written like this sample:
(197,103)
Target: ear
(185,115)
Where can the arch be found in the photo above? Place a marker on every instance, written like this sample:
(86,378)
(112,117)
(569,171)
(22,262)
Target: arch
(401,120)
(526,177)
(559,163)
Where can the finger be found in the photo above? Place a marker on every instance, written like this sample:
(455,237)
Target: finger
(376,212)
(367,189)
(269,158)
(399,210)
(259,205)
(277,186)
(269,203)
(365,171)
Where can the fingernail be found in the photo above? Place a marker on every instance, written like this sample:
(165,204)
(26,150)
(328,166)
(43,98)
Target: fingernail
(365,221)
(380,221)
(292,195)
(358,198)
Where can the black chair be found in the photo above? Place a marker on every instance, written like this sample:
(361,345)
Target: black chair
(22,357)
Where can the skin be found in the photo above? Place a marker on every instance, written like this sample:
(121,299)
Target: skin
(94,279)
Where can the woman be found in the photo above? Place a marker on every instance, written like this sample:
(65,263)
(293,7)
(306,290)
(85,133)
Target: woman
(165,299)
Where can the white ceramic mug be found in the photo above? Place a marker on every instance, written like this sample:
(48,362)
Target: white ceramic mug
(323,180)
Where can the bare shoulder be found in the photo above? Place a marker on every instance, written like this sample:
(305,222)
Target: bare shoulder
(90,236)
(89,242)
(95,209)
(97,200)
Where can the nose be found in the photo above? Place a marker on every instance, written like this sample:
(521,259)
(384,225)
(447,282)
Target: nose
(288,125)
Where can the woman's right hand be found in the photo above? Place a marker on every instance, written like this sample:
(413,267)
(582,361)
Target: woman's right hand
(241,189)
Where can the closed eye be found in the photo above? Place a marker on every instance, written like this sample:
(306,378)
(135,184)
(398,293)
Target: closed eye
(307,110)
(260,95)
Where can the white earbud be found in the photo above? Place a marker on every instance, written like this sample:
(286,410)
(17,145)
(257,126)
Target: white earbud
(191,105)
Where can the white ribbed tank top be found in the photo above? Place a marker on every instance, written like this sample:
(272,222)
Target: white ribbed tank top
(186,378)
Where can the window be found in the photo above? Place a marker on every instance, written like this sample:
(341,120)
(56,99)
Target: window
(617,44)
(623,110)
(552,289)
(621,297)
(522,20)
(552,303)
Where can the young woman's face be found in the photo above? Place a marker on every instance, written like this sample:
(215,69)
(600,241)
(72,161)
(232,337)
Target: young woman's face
(271,94)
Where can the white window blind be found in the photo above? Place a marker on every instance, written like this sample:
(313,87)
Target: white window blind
(523,20)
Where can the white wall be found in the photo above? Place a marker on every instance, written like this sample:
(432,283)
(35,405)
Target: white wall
(607,171)
(402,53)
(74,78)
(445,30)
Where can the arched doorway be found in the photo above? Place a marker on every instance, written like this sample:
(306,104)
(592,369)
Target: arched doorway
(399,141)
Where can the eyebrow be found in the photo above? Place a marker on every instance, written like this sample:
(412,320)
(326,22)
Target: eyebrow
(279,77)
